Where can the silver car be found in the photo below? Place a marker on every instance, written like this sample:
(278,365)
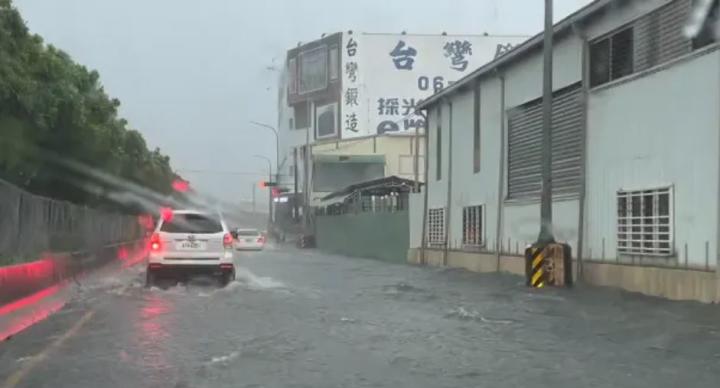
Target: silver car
(249,239)
(189,242)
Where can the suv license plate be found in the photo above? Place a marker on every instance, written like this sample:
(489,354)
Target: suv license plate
(190,245)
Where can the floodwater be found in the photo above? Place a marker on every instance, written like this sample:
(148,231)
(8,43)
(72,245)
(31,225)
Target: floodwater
(300,318)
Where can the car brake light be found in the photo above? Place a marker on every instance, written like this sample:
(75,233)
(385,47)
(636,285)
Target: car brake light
(260,240)
(155,242)
(227,240)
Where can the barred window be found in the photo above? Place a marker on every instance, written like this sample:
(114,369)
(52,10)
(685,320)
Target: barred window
(645,220)
(436,226)
(611,57)
(473,224)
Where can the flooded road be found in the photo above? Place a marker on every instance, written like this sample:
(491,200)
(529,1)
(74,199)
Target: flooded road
(305,319)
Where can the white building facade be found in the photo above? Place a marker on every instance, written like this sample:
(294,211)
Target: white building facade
(347,103)
(635,160)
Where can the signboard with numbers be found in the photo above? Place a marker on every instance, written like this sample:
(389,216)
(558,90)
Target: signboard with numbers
(386,75)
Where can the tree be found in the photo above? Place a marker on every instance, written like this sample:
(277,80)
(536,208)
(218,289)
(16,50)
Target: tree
(53,109)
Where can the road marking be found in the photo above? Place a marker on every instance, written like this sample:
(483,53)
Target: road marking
(16,377)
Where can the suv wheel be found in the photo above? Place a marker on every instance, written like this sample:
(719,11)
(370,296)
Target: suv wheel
(227,277)
(150,278)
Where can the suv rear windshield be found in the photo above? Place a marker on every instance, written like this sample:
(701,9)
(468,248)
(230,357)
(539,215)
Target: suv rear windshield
(247,233)
(191,223)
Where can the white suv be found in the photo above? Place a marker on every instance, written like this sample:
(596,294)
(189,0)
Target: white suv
(189,242)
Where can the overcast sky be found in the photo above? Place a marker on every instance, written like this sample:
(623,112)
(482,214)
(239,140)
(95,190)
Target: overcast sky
(191,74)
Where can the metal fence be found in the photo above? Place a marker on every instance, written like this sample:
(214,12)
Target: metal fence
(31,225)
(364,203)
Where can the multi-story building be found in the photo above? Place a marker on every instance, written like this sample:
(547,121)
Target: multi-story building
(635,151)
(347,103)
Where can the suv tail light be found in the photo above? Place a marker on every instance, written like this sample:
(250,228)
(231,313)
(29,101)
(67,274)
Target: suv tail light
(155,244)
(227,240)
(261,239)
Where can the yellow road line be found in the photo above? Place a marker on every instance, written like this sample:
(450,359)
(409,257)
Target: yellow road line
(16,377)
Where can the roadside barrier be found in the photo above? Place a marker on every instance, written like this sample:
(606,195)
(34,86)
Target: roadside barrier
(548,265)
(20,280)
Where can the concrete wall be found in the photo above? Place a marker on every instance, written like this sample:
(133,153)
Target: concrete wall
(521,223)
(476,262)
(393,147)
(415,217)
(662,129)
(382,236)
(675,284)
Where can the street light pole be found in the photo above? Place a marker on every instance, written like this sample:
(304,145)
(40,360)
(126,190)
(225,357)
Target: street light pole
(270,198)
(277,146)
(546,234)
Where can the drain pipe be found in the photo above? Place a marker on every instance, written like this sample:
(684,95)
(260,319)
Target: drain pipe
(717,239)
(501,172)
(449,184)
(423,238)
(583,157)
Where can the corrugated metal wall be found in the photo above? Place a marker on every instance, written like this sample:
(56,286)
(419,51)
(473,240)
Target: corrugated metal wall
(524,148)
(659,35)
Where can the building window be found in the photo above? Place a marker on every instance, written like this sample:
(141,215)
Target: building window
(473,223)
(334,63)
(436,226)
(291,123)
(476,128)
(611,57)
(292,76)
(438,145)
(302,115)
(326,121)
(645,220)
(313,70)
(710,31)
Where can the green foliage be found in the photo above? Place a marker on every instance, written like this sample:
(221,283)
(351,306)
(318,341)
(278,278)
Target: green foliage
(52,106)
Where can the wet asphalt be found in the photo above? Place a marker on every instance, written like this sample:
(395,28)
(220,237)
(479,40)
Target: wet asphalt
(301,318)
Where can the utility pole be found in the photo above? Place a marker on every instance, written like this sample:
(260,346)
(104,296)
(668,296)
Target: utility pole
(295,184)
(306,184)
(546,234)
